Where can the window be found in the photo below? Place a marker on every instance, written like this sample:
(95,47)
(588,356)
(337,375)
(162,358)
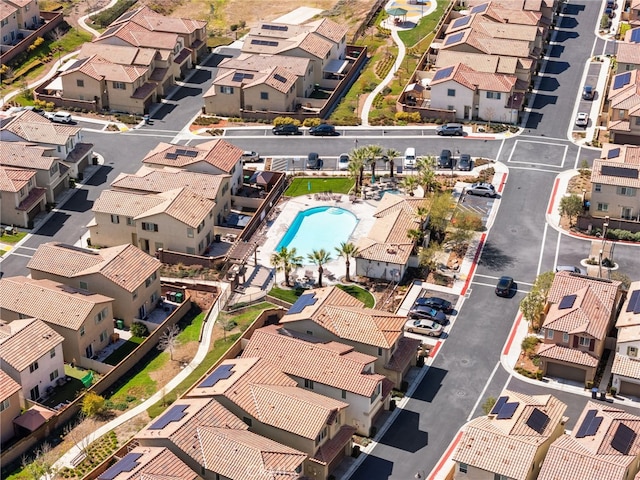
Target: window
(379,351)
(626,191)
(632,351)
(451,92)
(597,187)
(621,113)
(158,245)
(33,367)
(82,331)
(149,227)
(227,90)
(79,83)
(103,336)
(4,404)
(189,232)
(34,393)
(52,353)
(494,95)
(154,297)
(463,467)
(344,394)
(101,315)
(321,436)
(134,295)
(308,384)
(3,23)
(585,341)
(603,207)
(637,121)
(130,221)
(264,95)
(374,396)
(549,333)
(497,476)
(115,219)
(201,226)
(191,250)
(119,85)
(53,375)
(565,337)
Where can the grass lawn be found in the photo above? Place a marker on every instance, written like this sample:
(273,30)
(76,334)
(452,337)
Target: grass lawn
(360,293)
(141,385)
(425,26)
(2,252)
(118,355)
(300,185)
(285,294)
(12,239)
(190,328)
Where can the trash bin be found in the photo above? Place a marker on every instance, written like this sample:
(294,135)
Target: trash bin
(179,297)
(594,393)
(603,395)
(218,237)
(146,119)
(120,324)
(171,296)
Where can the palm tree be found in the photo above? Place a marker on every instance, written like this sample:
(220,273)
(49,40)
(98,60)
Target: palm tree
(426,174)
(391,155)
(285,260)
(347,250)
(409,183)
(373,153)
(319,257)
(357,158)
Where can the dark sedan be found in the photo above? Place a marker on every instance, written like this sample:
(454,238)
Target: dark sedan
(465,163)
(504,286)
(323,130)
(286,129)
(428,313)
(436,303)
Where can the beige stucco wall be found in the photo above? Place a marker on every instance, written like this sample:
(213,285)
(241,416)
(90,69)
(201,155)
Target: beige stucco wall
(609,195)
(226,104)
(277,100)
(8,415)
(92,88)
(463,97)
(8,209)
(172,234)
(9,28)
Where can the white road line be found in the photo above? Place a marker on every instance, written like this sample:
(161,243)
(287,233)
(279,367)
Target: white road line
(500,149)
(544,239)
(511,167)
(18,254)
(575,166)
(555,258)
(486,385)
(548,138)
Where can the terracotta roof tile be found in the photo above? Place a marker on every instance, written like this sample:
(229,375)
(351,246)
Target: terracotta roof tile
(14,179)
(138,36)
(566,283)
(277,78)
(23,342)
(156,463)
(8,386)
(588,315)
(314,44)
(626,366)
(154,21)
(27,155)
(218,153)
(404,354)
(628,52)
(183,205)
(627,317)
(101,69)
(566,354)
(260,63)
(627,156)
(329,450)
(6,10)
(121,54)
(117,202)
(329,29)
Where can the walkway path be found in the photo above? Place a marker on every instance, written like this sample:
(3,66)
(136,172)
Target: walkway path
(82,20)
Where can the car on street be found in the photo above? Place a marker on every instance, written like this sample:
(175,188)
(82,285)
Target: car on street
(582,120)
(482,189)
(314,162)
(570,268)
(445,159)
(610,12)
(286,129)
(428,313)
(450,129)
(464,162)
(249,156)
(59,117)
(436,303)
(588,92)
(343,161)
(425,327)
(323,130)
(504,286)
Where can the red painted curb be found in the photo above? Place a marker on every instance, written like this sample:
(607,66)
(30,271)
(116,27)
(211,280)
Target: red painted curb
(475,263)
(446,457)
(512,335)
(478,137)
(553,197)
(502,182)
(433,352)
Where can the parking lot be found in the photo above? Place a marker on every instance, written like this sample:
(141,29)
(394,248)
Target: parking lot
(418,291)
(476,205)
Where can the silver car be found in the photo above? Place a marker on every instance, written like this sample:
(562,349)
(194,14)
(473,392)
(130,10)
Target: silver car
(482,189)
(425,327)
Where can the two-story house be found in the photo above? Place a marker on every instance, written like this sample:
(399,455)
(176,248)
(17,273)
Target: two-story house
(332,369)
(213,441)
(138,463)
(8,23)
(11,405)
(626,363)
(628,52)
(634,13)
(580,312)
(605,443)
(31,354)
(124,273)
(215,157)
(65,141)
(274,406)
(84,320)
(615,183)
(28,13)
(624,108)
(511,440)
(330,314)
(179,220)
(22,199)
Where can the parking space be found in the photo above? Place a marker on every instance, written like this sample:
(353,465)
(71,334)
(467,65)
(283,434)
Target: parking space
(545,153)
(476,205)
(417,292)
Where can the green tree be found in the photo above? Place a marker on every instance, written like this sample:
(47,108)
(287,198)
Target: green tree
(374,152)
(427,256)
(392,154)
(440,211)
(427,175)
(347,250)
(319,258)
(570,207)
(409,183)
(532,306)
(461,233)
(286,260)
(357,159)
(92,404)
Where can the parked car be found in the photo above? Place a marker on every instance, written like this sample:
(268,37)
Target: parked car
(59,117)
(428,313)
(504,286)
(582,120)
(588,92)
(570,268)
(445,160)
(314,162)
(450,129)
(343,161)
(425,327)
(610,12)
(250,156)
(464,162)
(323,130)
(436,303)
(286,129)
(482,189)
(35,109)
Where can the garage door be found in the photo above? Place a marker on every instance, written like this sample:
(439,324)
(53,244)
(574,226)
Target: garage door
(628,388)
(627,139)
(563,371)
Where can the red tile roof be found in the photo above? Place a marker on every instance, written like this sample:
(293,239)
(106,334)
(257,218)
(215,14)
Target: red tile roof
(218,153)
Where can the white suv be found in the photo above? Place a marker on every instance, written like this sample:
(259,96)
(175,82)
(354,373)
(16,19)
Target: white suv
(59,117)
(482,189)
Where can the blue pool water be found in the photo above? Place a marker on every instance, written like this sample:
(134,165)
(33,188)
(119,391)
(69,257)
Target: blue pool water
(316,228)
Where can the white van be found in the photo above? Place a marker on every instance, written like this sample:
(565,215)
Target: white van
(410,158)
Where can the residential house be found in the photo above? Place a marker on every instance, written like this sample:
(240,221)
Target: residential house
(332,315)
(124,273)
(476,95)
(626,363)
(624,108)
(628,52)
(605,443)
(511,440)
(521,68)
(332,369)
(9,21)
(215,157)
(22,199)
(615,183)
(84,320)
(213,441)
(543,11)
(273,406)
(27,12)
(580,312)
(31,354)
(179,220)
(64,141)
(10,406)
(387,250)
(634,13)
(145,463)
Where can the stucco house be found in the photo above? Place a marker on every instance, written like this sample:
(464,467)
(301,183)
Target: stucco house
(124,273)
(626,364)
(9,22)
(84,320)
(628,52)
(27,13)
(511,440)
(332,369)
(138,463)
(580,313)
(22,199)
(11,405)
(31,354)
(624,108)
(331,315)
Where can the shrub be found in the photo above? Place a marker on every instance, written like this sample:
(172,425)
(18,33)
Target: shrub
(529,343)
(286,121)
(106,17)
(411,117)
(311,122)
(139,329)
(92,404)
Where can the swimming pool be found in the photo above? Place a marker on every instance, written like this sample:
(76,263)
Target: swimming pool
(316,228)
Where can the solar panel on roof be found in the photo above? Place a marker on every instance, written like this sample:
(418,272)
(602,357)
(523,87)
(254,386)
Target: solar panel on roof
(589,425)
(110,31)
(221,373)
(174,414)
(538,420)
(304,301)
(480,8)
(499,404)
(268,43)
(507,410)
(634,302)
(126,464)
(613,153)
(461,22)
(191,153)
(442,73)
(621,80)
(180,151)
(635,35)
(623,439)
(280,78)
(567,301)
(455,38)
(622,172)
(171,155)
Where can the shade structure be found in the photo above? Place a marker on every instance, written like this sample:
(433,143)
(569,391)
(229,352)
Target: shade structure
(264,178)
(397,12)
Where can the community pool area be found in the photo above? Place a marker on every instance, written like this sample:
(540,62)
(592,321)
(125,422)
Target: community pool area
(318,227)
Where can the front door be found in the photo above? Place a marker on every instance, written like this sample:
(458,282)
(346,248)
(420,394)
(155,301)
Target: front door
(35,393)
(89,351)
(142,311)
(144,245)
(467,112)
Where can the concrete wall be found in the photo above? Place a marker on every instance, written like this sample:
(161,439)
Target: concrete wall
(52,21)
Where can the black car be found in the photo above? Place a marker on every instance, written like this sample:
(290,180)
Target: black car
(428,313)
(504,286)
(445,160)
(588,92)
(323,130)
(436,303)
(314,162)
(464,162)
(286,129)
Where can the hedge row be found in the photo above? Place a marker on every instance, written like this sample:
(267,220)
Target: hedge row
(104,19)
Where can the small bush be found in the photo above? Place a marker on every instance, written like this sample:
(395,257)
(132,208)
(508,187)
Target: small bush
(139,329)
(529,343)
(311,122)
(286,121)
(411,117)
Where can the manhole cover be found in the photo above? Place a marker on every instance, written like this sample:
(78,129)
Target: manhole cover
(464,361)
(461,393)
